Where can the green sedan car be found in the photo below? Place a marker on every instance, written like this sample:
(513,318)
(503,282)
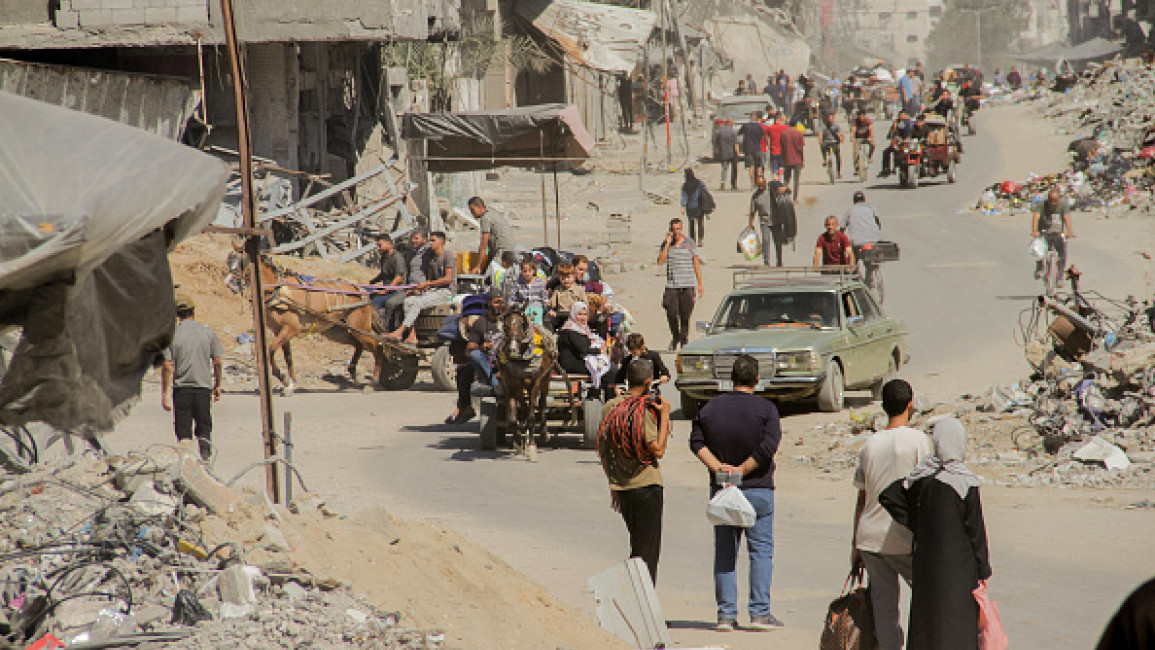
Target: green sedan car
(814,336)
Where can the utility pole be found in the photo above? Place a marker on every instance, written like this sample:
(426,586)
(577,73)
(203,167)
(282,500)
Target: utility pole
(252,246)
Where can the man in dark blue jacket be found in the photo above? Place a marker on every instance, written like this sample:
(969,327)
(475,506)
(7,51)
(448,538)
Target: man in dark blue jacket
(736,436)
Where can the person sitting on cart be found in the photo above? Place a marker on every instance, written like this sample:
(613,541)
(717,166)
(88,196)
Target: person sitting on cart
(563,297)
(529,292)
(481,339)
(440,269)
(636,346)
(900,130)
(391,270)
(581,351)
(920,130)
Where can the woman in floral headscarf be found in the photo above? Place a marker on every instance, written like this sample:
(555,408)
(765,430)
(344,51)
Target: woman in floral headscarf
(580,349)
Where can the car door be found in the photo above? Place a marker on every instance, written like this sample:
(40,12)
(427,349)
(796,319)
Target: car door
(855,357)
(878,346)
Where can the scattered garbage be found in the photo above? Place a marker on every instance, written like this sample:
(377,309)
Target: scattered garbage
(125,550)
(1111,169)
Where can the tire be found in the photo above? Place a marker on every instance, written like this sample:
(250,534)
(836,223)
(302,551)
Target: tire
(912,174)
(690,407)
(444,370)
(951,174)
(903,177)
(831,397)
(830,168)
(891,373)
(591,422)
(398,373)
(488,417)
(862,169)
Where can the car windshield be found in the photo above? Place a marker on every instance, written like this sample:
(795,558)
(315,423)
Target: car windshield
(812,309)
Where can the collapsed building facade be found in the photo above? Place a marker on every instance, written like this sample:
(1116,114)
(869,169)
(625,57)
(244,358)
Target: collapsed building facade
(314,72)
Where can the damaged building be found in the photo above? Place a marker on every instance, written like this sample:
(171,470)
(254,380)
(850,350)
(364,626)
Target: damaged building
(314,72)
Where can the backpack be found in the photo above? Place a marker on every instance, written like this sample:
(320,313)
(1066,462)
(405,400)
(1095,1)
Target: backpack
(706,201)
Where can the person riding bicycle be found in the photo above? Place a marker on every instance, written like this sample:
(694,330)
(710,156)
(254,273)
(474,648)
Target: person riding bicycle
(862,129)
(862,226)
(831,139)
(1050,218)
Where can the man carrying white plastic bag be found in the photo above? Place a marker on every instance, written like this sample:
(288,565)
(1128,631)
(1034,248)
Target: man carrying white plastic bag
(736,436)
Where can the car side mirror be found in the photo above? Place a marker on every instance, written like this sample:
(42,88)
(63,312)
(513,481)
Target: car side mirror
(855,321)
(702,326)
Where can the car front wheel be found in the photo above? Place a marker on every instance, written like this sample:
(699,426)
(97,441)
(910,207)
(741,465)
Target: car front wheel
(830,396)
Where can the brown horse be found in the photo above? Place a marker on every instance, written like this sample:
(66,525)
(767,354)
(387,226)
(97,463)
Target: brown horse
(524,374)
(339,311)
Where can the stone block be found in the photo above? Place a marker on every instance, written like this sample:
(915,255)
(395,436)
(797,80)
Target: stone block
(81,5)
(160,15)
(238,584)
(127,16)
(191,477)
(96,18)
(189,14)
(67,19)
(151,502)
(116,4)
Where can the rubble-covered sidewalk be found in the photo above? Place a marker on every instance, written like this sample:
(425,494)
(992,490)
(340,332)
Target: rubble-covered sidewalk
(1110,172)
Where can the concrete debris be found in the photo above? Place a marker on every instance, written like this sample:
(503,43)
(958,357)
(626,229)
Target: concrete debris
(89,562)
(1099,450)
(1111,170)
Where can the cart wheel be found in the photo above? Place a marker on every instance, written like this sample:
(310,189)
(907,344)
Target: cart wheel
(912,175)
(398,373)
(488,417)
(951,175)
(444,370)
(591,422)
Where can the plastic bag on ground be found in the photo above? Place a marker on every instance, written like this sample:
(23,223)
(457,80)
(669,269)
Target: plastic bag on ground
(729,507)
(748,244)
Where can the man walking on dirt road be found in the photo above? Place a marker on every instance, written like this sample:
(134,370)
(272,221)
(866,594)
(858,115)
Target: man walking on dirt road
(632,437)
(683,273)
(737,434)
(192,367)
(879,543)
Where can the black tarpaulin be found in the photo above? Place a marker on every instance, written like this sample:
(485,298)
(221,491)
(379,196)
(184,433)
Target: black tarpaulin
(88,211)
(528,136)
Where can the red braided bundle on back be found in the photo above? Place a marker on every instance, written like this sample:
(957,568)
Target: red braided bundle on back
(622,443)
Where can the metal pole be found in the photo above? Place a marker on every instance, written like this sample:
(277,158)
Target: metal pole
(288,442)
(979,30)
(556,207)
(544,216)
(666,86)
(645,116)
(252,246)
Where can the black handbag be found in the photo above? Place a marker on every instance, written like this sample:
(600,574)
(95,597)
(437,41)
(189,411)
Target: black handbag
(850,619)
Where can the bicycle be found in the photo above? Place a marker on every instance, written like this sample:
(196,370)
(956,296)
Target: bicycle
(1052,269)
(862,162)
(828,155)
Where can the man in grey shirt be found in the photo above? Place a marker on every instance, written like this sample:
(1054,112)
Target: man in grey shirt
(496,235)
(192,368)
(390,310)
(862,226)
(726,144)
(437,288)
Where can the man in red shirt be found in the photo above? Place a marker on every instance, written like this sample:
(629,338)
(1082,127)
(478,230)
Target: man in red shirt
(793,150)
(833,246)
(774,138)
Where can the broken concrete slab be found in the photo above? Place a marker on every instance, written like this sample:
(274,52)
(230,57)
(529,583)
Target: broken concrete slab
(1099,450)
(238,584)
(628,606)
(148,500)
(192,478)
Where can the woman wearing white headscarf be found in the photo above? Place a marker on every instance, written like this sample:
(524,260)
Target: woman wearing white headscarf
(580,349)
(939,502)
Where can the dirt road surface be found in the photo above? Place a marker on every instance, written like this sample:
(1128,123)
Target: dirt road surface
(1063,559)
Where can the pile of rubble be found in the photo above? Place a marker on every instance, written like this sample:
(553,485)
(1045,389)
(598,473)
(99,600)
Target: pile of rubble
(1111,169)
(135,551)
(1085,418)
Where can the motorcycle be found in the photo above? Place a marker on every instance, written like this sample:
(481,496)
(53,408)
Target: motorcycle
(908,161)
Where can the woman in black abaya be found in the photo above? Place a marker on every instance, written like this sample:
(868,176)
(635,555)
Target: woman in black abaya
(939,503)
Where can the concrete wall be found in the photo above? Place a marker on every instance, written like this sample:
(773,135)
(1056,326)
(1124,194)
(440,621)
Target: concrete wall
(23,12)
(99,14)
(892,24)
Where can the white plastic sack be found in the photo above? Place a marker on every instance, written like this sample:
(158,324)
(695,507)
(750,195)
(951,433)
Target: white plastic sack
(1038,249)
(748,244)
(729,507)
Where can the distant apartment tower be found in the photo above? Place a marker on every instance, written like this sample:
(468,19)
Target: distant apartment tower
(895,29)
